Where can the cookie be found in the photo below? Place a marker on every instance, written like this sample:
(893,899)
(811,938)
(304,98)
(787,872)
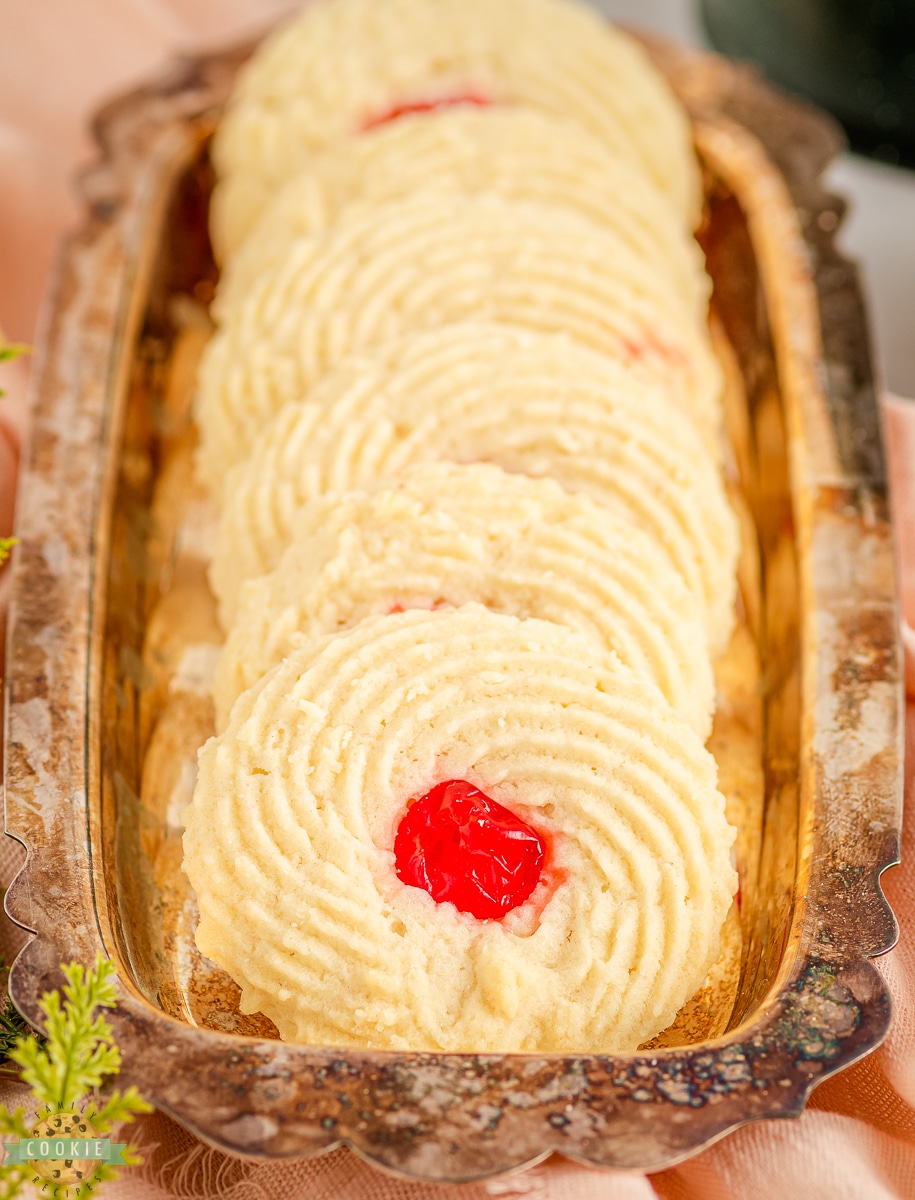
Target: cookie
(514,152)
(310,878)
(342,66)
(429,260)
(531,403)
(448,535)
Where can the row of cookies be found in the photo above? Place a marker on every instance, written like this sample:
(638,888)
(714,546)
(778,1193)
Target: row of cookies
(461,415)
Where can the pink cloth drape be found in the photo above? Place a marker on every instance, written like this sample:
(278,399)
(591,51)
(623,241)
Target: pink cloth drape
(58,60)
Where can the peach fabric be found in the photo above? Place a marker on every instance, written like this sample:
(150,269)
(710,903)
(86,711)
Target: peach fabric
(58,60)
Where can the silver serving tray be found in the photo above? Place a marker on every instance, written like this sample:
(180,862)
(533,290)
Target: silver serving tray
(808,1002)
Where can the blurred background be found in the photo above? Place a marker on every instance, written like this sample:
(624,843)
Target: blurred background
(59,59)
(857,57)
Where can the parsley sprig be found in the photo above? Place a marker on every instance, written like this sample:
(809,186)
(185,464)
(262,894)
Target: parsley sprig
(11,350)
(13,1027)
(65,1071)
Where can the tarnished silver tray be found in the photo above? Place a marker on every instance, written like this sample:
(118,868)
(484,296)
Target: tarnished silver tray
(807,1002)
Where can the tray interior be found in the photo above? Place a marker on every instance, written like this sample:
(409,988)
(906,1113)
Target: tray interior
(160,632)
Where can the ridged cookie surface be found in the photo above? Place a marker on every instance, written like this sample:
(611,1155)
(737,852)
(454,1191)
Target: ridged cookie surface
(448,535)
(290,834)
(530,403)
(342,65)
(430,260)
(514,152)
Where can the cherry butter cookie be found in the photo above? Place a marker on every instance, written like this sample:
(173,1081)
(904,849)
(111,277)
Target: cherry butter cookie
(514,152)
(531,403)
(447,535)
(460,831)
(384,270)
(341,67)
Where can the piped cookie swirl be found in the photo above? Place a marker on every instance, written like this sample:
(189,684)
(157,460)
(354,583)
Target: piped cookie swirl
(530,403)
(290,840)
(470,151)
(386,270)
(475,558)
(343,66)
(447,535)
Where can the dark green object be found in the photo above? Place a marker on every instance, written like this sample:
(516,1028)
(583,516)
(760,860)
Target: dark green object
(13,1028)
(855,58)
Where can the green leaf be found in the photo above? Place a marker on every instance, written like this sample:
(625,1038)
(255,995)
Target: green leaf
(66,1069)
(13,1179)
(13,1123)
(78,1053)
(118,1107)
(13,1027)
(10,350)
(6,544)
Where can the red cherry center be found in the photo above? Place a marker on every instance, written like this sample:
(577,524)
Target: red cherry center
(409,108)
(466,849)
(433,607)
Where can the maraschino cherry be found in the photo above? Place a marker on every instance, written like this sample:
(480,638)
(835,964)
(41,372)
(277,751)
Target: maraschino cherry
(409,108)
(466,849)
